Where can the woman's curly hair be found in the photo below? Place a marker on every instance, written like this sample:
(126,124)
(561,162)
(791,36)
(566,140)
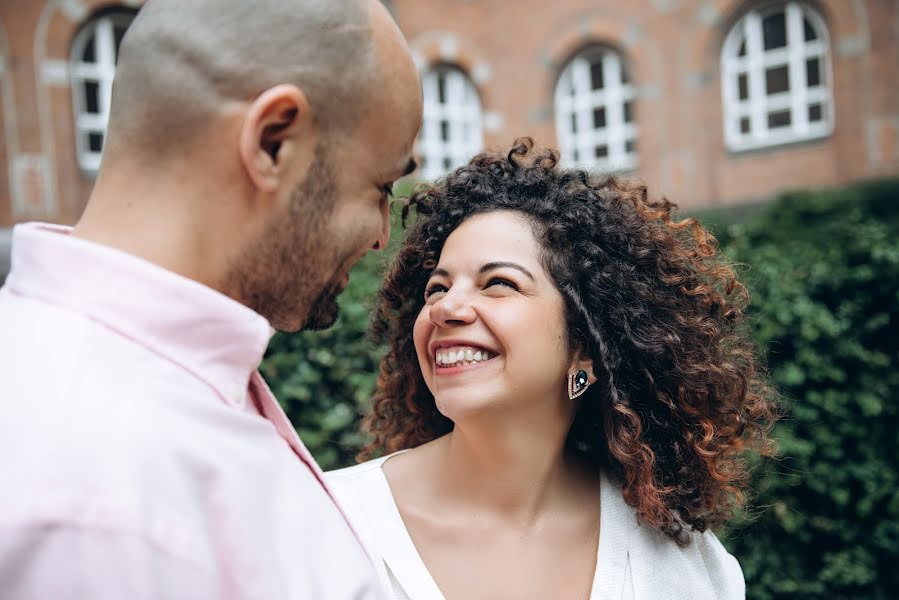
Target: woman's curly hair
(680,396)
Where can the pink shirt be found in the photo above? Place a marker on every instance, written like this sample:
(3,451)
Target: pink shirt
(134,463)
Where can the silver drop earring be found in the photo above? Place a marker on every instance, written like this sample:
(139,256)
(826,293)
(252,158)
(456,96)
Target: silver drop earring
(577,384)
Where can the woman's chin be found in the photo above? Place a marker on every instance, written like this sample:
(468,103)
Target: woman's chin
(459,407)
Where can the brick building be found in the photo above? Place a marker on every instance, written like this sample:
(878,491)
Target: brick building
(708,101)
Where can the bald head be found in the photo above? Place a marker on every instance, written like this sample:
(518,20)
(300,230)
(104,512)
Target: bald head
(182,63)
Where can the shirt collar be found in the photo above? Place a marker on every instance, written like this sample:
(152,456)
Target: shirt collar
(216,338)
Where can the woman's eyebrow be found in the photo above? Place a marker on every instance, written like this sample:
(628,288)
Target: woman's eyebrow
(499,265)
(491,266)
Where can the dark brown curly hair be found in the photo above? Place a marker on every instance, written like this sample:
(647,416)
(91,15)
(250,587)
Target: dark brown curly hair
(680,396)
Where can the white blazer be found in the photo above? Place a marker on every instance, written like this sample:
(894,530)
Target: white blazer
(634,562)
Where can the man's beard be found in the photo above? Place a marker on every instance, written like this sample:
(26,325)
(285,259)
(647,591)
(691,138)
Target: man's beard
(290,276)
(323,310)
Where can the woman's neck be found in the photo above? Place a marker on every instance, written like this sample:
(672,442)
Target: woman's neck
(512,472)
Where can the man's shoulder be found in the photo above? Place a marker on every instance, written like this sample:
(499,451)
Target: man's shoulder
(88,408)
(49,350)
(40,332)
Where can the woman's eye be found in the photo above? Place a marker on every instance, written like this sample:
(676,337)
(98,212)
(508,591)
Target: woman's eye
(501,282)
(434,289)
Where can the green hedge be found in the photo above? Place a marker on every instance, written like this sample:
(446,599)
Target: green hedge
(823,269)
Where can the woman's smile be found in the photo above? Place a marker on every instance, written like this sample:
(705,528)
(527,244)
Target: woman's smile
(457,356)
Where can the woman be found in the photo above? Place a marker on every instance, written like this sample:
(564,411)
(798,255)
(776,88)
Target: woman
(565,398)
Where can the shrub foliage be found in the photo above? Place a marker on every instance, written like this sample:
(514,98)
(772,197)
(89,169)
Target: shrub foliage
(823,269)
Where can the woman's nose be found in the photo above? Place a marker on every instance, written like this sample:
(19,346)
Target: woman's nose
(453,309)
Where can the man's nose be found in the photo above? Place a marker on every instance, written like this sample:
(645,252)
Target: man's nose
(384,235)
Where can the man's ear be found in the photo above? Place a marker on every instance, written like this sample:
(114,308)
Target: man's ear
(269,133)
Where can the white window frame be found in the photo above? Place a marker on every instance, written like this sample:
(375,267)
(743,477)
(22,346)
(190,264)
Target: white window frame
(100,72)
(459,118)
(756,60)
(575,99)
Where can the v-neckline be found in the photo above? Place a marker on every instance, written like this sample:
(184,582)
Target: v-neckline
(402,558)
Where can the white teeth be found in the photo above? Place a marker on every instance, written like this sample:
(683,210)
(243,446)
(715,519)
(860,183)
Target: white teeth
(461,356)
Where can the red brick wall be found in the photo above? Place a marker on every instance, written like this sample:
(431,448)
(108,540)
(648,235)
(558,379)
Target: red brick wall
(40,172)
(673,48)
(514,51)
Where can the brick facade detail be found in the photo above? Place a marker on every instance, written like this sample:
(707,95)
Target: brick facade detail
(514,52)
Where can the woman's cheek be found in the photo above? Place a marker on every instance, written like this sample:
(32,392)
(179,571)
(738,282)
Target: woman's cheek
(421,333)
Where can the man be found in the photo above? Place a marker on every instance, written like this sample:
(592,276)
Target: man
(250,152)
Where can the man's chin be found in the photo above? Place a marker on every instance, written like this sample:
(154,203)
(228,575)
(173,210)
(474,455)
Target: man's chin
(323,315)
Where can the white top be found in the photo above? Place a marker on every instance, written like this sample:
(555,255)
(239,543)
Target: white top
(142,457)
(634,562)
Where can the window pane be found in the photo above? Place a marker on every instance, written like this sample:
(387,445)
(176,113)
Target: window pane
(447,164)
(743,85)
(441,88)
(628,112)
(813,72)
(779,119)
(809,31)
(105,31)
(596,75)
(603,108)
(774,30)
(815,113)
(92,97)
(444,131)
(630,146)
(470,95)
(95,141)
(786,37)
(777,80)
(90,53)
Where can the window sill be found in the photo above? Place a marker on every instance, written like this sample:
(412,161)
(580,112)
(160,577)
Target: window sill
(780,143)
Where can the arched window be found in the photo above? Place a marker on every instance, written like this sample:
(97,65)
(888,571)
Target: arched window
(595,112)
(93,59)
(451,131)
(775,84)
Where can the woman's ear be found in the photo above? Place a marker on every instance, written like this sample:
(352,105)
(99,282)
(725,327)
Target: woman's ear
(272,128)
(580,376)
